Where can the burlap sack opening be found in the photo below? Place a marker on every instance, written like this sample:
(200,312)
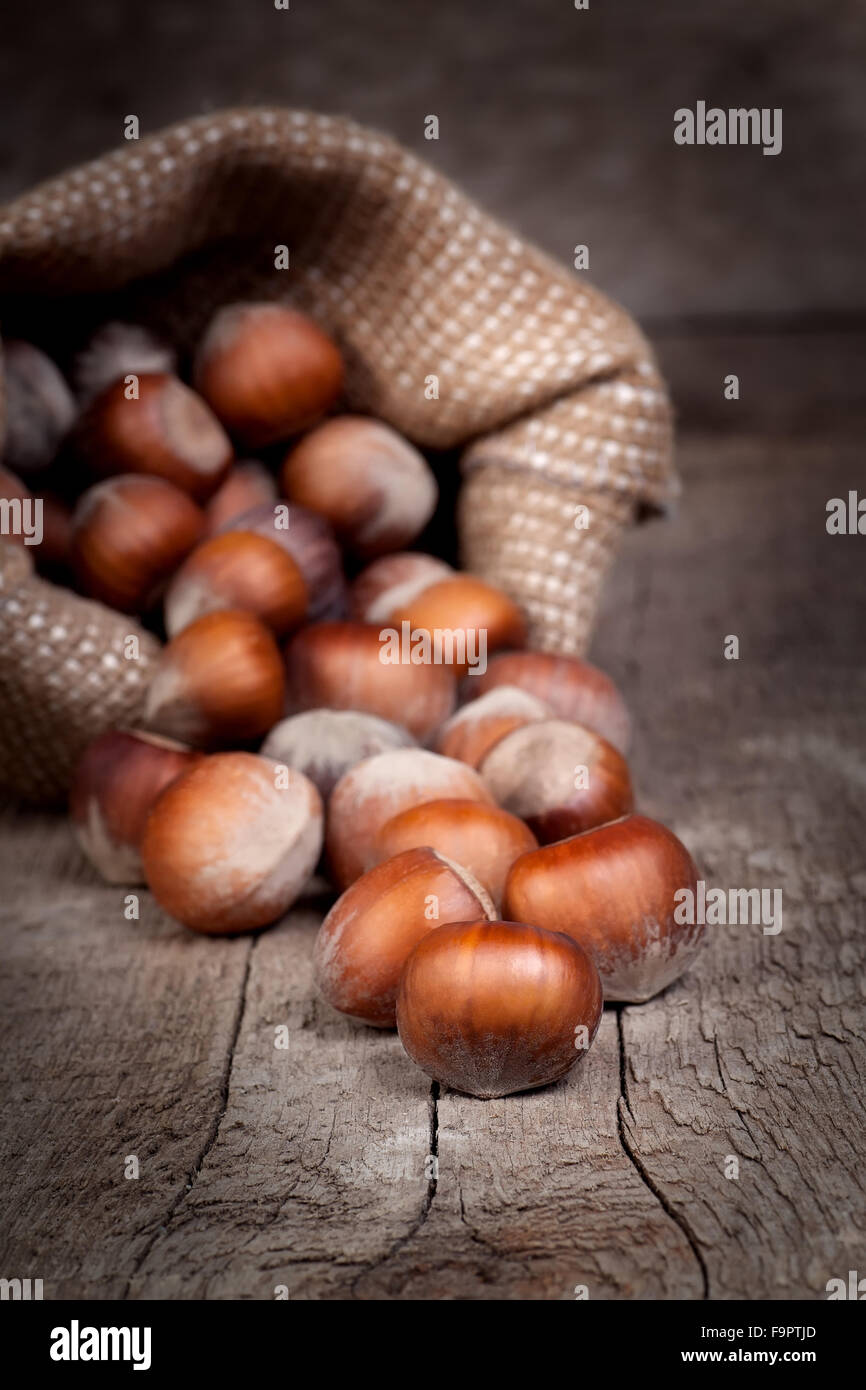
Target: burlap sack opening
(454,330)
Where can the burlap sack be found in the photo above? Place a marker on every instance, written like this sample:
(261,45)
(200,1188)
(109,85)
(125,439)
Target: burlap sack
(454,330)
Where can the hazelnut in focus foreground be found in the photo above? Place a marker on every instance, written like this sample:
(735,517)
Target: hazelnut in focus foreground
(324,703)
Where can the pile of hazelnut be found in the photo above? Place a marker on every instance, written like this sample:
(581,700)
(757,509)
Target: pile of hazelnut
(495,884)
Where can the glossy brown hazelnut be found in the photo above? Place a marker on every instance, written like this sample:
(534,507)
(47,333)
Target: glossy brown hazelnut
(615,891)
(342,665)
(116,781)
(367,936)
(572,688)
(116,351)
(485,839)
(371,484)
(376,789)
(492,1008)
(158,427)
(38,408)
(484,618)
(325,743)
(128,535)
(237,569)
(470,733)
(247,484)
(231,844)
(313,547)
(392,580)
(267,371)
(559,777)
(220,681)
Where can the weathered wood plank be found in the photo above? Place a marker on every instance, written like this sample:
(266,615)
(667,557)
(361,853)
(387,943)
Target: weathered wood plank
(536,1196)
(319,1180)
(318,1169)
(760,765)
(115,1041)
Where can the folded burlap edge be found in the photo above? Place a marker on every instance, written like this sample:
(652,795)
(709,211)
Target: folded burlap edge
(70,668)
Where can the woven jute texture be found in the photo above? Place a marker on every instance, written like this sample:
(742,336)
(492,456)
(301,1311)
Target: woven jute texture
(68,670)
(454,330)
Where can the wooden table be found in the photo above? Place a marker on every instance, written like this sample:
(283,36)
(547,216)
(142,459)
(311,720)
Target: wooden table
(309,1168)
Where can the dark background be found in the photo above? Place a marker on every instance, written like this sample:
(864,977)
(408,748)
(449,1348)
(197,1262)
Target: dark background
(559,120)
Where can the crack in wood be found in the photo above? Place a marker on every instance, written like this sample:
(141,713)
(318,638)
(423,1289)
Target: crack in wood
(429,1196)
(213,1130)
(632,1156)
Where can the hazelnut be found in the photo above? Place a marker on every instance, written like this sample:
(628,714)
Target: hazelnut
(118,350)
(117,779)
(231,844)
(246,485)
(370,483)
(613,890)
(237,569)
(39,408)
(128,535)
(376,789)
(311,543)
(474,729)
(393,580)
(165,431)
(267,371)
(463,604)
(325,743)
(219,681)
(490,1008)
(572,688)
(559,777)
(365,939)
(484,839)
(339,665)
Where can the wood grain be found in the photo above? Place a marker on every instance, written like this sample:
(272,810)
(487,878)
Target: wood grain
(116,1037)
(760,1051)
(307,1168)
